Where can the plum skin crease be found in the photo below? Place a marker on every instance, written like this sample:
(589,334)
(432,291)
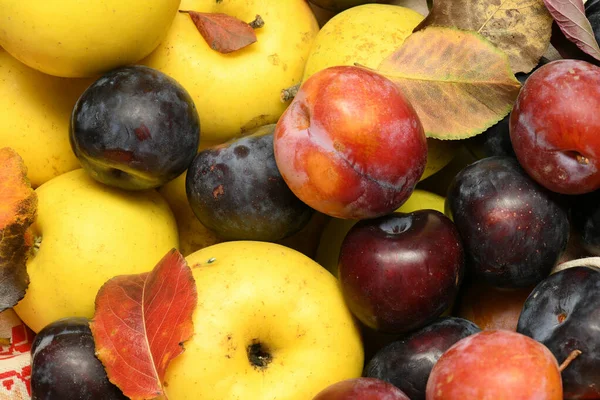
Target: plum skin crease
(350,145)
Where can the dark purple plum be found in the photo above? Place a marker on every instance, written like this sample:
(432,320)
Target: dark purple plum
(407,363)
(585,213)
(563,313)
(63,364)
(236,190)
(513,230)
(401,271)
(135,128)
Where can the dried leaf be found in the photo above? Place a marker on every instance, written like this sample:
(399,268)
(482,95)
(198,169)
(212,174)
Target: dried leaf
(18,206)
(458,82)
(222,32)
(520,28)
(140,324)
(570,18)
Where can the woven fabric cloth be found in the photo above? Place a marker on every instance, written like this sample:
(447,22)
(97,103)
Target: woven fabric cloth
(15,359)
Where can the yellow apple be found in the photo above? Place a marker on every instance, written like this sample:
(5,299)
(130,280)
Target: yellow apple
(35,110)
(366,35)
(237,92)
(87,233)
(270,324)
(336,229)
(74,38)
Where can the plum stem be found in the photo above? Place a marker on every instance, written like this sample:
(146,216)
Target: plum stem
(289,93)
(573,355)
(582,160)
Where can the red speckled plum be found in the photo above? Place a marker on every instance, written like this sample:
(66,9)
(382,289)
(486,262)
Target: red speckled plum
(350,145)
(555,125)
(496,365)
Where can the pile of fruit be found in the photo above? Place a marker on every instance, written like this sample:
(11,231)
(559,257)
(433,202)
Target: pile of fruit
(271,199)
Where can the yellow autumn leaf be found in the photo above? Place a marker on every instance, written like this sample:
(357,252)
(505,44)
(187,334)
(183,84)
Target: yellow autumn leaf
(520,28)
(458,82)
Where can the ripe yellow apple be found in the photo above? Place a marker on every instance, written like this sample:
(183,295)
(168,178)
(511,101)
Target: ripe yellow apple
(366,35)
(270,324)
(237,92)
(336,229)
(88,233)
(35,110)
(74,38)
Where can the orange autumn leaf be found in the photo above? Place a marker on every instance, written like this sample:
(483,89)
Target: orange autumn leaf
(18,206)
(222,32)
(458,82)
(140,323)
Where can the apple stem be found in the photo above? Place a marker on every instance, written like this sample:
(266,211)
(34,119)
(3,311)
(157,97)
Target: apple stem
(289,93)
(257,23)
(574,354)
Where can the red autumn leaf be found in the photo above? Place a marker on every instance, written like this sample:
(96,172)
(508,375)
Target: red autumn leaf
(140,324)
(570,17)
(222,32)
(18,207)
